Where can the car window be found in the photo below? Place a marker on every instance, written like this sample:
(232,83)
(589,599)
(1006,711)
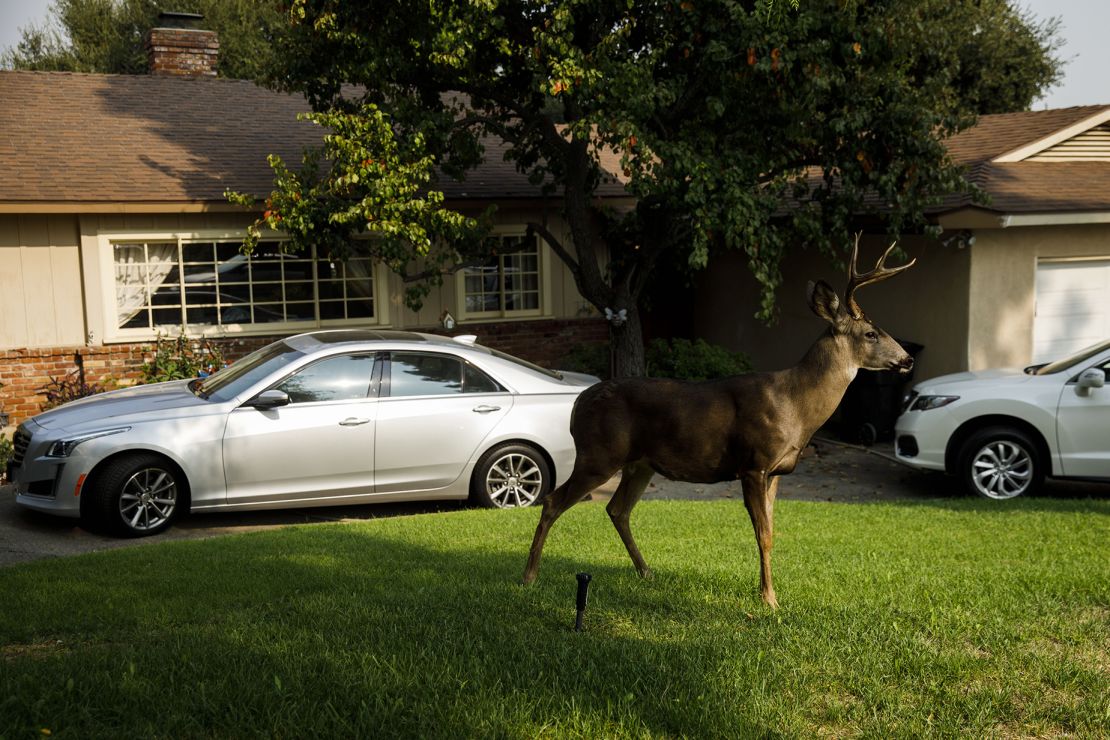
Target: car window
(419,374)
(342,378)
(239,376)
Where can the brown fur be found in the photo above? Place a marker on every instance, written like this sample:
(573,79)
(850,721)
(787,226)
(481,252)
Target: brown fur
(749,427)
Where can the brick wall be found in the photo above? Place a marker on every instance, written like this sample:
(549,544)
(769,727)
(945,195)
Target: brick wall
(25,372)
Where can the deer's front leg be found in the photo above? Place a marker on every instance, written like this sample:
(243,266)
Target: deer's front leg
(759,500)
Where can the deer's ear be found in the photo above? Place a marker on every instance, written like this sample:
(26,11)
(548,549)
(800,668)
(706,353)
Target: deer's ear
(823,300)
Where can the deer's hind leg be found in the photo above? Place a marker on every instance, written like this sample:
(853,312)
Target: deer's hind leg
(634,481)
(580,483)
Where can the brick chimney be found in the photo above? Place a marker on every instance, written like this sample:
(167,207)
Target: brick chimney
(178,47)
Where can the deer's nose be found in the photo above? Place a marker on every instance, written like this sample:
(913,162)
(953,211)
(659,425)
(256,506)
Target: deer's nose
(906,363)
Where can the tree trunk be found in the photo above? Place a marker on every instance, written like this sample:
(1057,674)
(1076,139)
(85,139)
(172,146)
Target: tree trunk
(626,346)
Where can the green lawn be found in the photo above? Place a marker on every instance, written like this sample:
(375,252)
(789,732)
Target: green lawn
(961,618)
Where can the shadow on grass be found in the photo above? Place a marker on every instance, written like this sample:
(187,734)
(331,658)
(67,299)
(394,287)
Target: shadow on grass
(335,629)
(418,628)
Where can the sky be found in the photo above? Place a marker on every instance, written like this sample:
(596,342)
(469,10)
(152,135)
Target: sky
(1083,29)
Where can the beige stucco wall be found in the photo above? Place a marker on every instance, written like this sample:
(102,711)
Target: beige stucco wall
(52,292)
(1003,285)
(927,304)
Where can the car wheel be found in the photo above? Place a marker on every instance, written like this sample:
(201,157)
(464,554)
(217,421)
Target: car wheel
(1001,463)
(137,496)
(510,476)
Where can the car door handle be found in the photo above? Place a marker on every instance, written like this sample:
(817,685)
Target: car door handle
(484,409)
(353,422)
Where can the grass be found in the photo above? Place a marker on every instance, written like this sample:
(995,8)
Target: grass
(966,618)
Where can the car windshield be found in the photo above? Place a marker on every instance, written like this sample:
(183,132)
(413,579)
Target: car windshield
(1080,356)
(239,376)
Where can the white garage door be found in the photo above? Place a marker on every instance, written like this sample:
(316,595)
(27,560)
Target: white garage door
(1073,307)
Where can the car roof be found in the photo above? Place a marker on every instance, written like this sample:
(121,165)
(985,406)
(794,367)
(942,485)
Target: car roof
(517,373)
(315,340)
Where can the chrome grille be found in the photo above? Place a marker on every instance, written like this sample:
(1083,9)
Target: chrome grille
(19,446)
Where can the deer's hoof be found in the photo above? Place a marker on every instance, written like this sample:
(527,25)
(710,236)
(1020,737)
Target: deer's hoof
(646,574)
(770,600)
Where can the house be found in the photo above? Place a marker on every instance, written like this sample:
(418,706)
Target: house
(1022,279)
(114,229)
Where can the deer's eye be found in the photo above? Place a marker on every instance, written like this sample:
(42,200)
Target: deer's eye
(872,336)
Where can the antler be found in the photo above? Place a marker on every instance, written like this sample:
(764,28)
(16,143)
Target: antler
(857,279)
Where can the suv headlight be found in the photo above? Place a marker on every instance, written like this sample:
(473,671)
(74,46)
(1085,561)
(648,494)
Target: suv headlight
(924,403)
(63,447)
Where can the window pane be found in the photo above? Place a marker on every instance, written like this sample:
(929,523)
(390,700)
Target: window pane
(424,375)
(268,313)
(331,310)
(475,381)
(335,379)
(360,309)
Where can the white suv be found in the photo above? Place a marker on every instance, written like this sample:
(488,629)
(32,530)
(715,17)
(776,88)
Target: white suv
(1003,431)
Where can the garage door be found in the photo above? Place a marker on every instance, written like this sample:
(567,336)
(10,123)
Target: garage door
(1073,307)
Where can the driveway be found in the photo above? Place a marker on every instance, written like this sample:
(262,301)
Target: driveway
(829,471)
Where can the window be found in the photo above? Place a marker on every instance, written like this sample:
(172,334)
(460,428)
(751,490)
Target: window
(343,378)
(508,283)
(412,374)
(159,285)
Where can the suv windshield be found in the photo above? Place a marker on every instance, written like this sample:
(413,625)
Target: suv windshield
(239,376)
(1080,356)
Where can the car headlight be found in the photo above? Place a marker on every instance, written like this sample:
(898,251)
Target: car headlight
(924,403)
(63,447)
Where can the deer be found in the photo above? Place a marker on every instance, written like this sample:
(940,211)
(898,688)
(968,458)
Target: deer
(750,427)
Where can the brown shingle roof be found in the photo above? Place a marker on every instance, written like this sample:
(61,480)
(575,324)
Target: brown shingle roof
(996,134)
(1028,187)
(84,137)
(67,137)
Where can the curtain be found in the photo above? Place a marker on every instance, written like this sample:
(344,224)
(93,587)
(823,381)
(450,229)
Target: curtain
(140,271)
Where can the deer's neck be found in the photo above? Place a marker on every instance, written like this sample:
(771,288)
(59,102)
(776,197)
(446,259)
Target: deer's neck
(818,382)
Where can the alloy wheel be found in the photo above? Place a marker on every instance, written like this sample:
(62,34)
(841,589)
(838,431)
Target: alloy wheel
(514,480)
(1002,469)
(148,499)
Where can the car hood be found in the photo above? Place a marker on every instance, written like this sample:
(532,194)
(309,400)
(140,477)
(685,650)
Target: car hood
(122,406)
(1004,376)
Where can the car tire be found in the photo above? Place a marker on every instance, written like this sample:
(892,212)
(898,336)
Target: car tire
(510,476)
(1001,463)
(136,496)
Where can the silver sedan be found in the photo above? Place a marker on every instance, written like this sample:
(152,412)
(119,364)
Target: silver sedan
(319,419)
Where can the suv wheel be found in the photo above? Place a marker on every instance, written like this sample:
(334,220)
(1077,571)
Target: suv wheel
(1000,463)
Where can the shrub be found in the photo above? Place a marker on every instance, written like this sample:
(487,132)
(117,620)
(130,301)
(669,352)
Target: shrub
(181,358)
(68,388)
(693,360)
(587,358)
(5,455)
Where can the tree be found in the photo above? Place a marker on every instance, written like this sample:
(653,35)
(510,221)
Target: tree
(733,132)
(107,36)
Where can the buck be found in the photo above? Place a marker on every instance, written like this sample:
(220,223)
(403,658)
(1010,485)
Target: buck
(749,427)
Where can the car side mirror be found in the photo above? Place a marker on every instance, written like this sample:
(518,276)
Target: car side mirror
(270,399)
(1088,379)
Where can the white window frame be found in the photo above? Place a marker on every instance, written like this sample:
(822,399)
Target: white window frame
(545,260)
(109,312)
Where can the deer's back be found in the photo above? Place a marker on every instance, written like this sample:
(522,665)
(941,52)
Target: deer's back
(694,431)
